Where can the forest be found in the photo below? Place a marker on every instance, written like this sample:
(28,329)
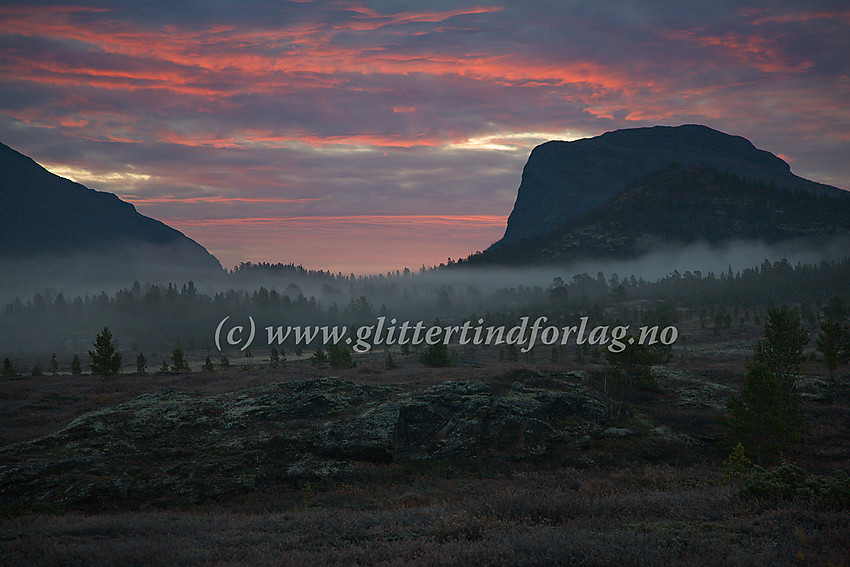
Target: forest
(155,318)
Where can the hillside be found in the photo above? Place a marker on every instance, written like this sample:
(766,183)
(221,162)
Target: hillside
(45,218)
(563,180)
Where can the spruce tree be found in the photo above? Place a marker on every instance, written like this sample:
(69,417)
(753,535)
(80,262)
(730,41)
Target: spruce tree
(178,361)
(830,344)
(76,366)
(141,364)
(436,355)
(766,416)
(105,360)
(389,363)
(8,369)
(782,348)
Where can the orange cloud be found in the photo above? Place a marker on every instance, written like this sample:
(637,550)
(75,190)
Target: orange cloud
(363,244)
(224,56)
(459,221)
(842,16)
(750,50)
(368,19)
(214,200)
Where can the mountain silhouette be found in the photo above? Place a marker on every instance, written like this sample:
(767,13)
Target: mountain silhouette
(45,218)
(676,206)
(563,180)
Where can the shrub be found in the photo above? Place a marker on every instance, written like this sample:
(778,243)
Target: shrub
(319,357)
(339,357)
(737,465)
(436,356)
(790,482)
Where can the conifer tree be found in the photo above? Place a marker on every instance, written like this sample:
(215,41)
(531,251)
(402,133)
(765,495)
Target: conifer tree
(76,366)
(105,360)
(141,364)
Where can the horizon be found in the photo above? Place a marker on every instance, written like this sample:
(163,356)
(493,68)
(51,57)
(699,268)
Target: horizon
(290,133)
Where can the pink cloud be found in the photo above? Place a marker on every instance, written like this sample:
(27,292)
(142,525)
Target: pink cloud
(358,243)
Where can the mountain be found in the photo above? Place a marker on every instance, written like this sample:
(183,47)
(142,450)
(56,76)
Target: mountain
(679,206)
(562,180)
(47,220)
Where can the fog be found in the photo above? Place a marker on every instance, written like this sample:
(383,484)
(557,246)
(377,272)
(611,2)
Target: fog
(58,304)
(699,257)
(94,272)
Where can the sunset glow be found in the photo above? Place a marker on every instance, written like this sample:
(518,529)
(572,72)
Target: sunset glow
(364,137)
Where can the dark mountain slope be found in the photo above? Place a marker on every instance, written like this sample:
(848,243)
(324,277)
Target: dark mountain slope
(677,205)
(44,216)
(562,180)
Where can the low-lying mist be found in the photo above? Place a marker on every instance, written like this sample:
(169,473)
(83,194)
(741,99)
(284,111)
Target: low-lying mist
(58,305)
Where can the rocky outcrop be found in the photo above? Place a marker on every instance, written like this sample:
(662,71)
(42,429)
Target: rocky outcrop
(180,447)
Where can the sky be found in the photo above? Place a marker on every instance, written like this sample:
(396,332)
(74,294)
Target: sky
(365,137)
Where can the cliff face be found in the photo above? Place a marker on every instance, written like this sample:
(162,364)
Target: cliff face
(677,206)
(562,180)
(44,216)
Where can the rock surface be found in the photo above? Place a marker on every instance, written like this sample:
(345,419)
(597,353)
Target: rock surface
(181,447)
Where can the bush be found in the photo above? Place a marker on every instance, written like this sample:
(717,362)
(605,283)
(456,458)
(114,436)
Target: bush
(790,482)
(779,482)
(339,357)
(436,356)
(319,357)
(737,465)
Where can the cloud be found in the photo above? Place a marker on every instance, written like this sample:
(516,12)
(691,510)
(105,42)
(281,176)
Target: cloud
(360,244)
(252,110)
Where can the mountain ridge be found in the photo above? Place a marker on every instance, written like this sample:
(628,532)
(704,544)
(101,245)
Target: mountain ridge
(561,180)
(681,206)
(46,216)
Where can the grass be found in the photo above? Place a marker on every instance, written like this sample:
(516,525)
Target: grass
(652,515)
(628,500)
